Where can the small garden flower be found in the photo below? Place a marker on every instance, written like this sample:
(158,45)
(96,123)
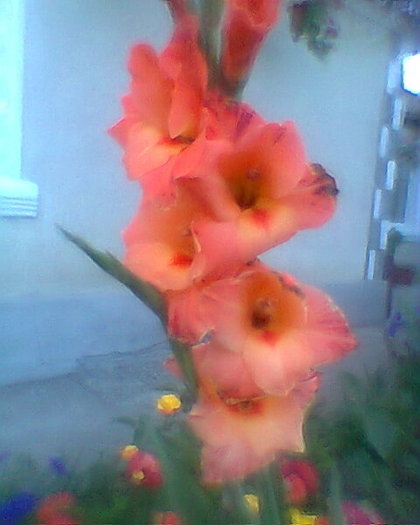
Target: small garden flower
(301,479)
(17,507)
(168,404)
(142,468)
(299,518)
(128,452)
(253,503)
(167,518)
(57,509)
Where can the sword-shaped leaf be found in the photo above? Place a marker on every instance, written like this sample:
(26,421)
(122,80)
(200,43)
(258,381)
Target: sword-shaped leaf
(147,293)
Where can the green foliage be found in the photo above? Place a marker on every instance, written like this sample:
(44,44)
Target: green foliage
(373,439)
(147,293)
(366,449)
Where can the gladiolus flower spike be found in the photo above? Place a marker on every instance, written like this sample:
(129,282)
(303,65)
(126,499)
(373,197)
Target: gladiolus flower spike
(220,187)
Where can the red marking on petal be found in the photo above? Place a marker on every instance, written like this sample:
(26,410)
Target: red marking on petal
(261,217)
(270,337)
(181,259)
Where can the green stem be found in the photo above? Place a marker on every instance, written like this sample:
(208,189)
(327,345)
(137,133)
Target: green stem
(335,511)
(234,491)
(183,358)
(271,505)
(211,14)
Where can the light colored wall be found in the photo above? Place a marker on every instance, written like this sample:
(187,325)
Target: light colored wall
(75,74)
(75,57)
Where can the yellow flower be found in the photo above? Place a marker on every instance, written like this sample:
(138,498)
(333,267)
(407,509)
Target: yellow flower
(253,503)
(168,404)
(137,477)
(299,518)
(128,452)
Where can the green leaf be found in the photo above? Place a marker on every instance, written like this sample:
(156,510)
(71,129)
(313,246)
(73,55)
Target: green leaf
(147,293)
(271,504)
(335,511)
(381,432)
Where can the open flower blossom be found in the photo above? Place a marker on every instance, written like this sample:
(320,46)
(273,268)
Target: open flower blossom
(169,247)
(261,190)
(252,501)
(142,469)
(246,25)
(280,328)
(168,404)
(297,517)
(301,479)
(57,510)
(164,111)
(166,518)
(242,435)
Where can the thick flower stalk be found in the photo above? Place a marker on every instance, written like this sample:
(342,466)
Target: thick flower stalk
(221,185)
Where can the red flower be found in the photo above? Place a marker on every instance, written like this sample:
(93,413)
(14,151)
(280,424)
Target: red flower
(57,510)
(143,469)
(247,23)
(301,479)
(167,518)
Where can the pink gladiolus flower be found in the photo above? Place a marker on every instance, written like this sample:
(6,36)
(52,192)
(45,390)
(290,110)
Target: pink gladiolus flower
(164,112)
(247,23)
(241,435)
(282,329)
(261,190)
(168,246)
(220,369)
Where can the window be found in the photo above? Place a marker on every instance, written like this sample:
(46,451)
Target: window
(18,197)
